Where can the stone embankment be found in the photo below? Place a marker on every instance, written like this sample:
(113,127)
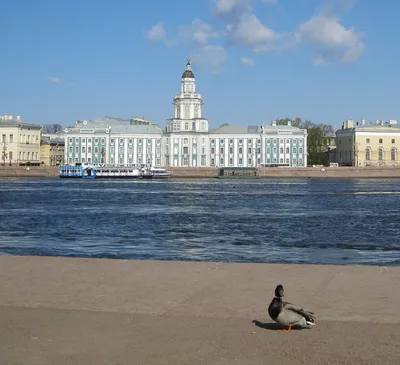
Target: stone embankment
(208,172)
(95,311)
(24,171)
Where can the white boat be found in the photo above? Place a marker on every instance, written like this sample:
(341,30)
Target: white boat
(112,172)
(155,173)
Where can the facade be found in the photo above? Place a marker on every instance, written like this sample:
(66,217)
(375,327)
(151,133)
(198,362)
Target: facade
(20,141)
(52,151)
(329,149)
(368,144)
(186,141)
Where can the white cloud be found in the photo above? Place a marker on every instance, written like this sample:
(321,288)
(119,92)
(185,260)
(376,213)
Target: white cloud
(228,6)
(247,61)
(239,26)
(198,32)
(331,40)
(319,61)
(248,31)
(156,33)
(210,57)
(54,80)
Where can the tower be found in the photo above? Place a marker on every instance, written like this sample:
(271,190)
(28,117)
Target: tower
(187,106)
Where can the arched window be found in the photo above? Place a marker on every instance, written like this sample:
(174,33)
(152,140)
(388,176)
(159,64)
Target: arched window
(178,112)
(185,141)
(380,154)
(368,154)
(196,111)
(393,154)
(187,111)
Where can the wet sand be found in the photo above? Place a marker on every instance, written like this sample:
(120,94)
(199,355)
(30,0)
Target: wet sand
(89,311)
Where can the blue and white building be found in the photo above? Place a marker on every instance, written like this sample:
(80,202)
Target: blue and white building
(186,141)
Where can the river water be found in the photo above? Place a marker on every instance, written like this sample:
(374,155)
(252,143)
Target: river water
(275,221)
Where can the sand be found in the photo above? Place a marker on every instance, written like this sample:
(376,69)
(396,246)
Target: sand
(88,311)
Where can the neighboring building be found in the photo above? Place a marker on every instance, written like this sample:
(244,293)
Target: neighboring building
(186,141)
(20,141)
(329,148)
(368,144)
(52,151)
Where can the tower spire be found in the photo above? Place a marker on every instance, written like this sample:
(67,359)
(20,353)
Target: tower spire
(188,74)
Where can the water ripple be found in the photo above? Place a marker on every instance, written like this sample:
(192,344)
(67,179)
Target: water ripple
(276,221)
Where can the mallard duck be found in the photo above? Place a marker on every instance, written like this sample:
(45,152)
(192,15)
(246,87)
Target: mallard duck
(288,314)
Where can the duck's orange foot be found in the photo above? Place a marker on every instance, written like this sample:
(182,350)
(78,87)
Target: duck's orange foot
(288,330)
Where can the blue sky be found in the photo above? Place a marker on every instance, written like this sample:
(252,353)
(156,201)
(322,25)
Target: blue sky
(254,60)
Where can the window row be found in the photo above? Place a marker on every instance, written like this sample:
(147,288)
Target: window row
(119,160)
(381,154)
(23,138)
(380,140)
(269,141)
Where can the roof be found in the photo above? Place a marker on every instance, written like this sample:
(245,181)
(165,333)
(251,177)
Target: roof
(117,125)
(243,129)
(371,127)
(18,123)
(49,140)
(140,129)
(188,73)
(236,129)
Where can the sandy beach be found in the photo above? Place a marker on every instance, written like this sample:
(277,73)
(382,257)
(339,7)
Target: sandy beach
(94,311)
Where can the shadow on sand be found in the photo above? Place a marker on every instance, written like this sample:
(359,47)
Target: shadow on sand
(275,326)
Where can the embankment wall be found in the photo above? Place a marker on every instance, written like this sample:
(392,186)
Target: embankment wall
(207,172)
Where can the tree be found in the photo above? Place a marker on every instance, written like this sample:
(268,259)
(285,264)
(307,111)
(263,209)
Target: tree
(52,128)
(316,138)
(315,143)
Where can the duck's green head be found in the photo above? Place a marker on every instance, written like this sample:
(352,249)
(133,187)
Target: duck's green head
(279,292)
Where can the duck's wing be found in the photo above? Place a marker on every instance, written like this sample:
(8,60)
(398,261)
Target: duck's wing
(309,316)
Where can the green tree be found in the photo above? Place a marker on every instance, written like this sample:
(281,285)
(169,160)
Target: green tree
(315,143)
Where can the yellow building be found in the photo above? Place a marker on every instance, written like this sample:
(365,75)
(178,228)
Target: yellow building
(52,151)
(368,144)
(19,142)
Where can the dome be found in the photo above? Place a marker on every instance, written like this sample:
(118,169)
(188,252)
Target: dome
(188,74)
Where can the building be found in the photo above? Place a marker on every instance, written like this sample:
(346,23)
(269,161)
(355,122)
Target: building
(368,144)
(52,151)
(329,148)
(20,141)
(187,139)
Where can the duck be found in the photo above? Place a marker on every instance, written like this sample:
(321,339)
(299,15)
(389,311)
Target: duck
(288,314)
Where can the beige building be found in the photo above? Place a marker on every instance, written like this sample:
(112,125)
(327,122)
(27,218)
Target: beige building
(368,143)
(19,141)
(52,151)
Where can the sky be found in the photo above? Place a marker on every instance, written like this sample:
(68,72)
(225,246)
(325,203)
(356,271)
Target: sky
(254,60)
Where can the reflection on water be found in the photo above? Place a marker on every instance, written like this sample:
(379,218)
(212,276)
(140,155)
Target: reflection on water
(289,221)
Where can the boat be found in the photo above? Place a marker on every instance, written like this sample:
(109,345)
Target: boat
(155,173)
(110,172)
(237,173)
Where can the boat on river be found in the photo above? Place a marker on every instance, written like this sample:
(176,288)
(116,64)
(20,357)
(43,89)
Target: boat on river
(237,173)
(111,172)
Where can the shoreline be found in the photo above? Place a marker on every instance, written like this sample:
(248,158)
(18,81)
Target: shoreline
(89,311)
(263,173)
(159,260)
(170,282)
